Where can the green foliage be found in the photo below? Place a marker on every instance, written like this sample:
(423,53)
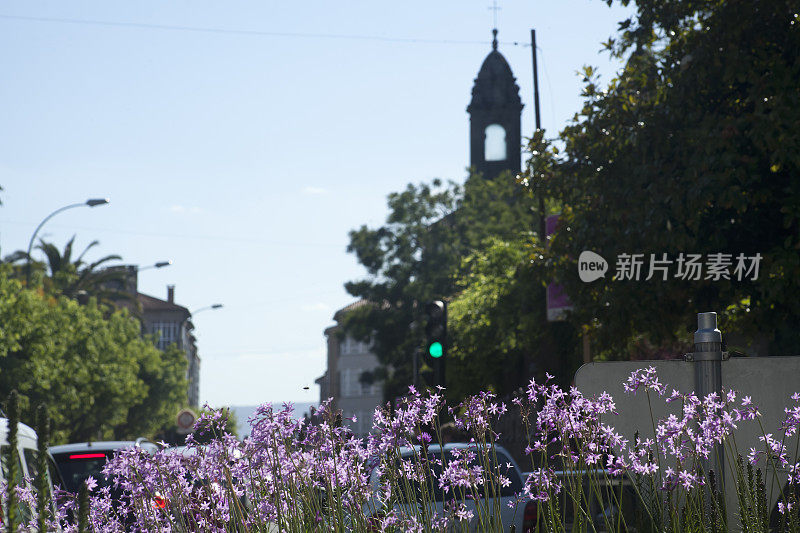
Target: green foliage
(420,255)
(41,478)
(76,278)
(214,423)
(13,473)
(494,320)
(411,259)
(163,375)
(694,148)
(99,377)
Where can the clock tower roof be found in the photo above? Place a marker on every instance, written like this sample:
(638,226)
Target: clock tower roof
(495,113)
(495,86)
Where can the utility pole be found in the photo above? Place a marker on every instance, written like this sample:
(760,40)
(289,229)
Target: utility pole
(546,345)
(542,215)
(535,81)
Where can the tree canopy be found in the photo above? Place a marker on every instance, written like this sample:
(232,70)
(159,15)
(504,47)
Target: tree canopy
(74,277)
(99,378)
(422,254)
(693,147)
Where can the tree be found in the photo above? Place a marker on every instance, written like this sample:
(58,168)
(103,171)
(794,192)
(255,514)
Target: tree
(501,336)
(493,319)
(163,376)
(693,148)
(409,260)
(418,257)
(74,278)
(98,376)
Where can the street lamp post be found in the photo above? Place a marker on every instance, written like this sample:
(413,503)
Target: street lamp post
(92,202)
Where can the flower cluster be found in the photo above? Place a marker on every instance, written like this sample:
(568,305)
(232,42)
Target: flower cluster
(292,475)
(646,379)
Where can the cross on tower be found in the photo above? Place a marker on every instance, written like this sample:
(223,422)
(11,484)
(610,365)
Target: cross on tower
(494,8)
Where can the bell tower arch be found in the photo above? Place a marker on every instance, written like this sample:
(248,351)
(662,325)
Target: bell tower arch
(495,113)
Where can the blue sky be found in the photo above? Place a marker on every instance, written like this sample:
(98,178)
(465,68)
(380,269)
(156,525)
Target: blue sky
(243,140)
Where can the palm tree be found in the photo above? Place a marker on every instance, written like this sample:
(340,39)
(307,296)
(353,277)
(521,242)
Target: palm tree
(77,278)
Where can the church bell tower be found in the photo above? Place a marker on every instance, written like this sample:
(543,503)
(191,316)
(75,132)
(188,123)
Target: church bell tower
(495,113)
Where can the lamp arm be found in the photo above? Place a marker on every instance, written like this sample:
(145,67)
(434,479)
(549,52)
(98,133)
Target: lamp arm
(36,232)
(42,223)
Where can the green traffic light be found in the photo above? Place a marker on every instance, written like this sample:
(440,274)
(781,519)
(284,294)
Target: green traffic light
(436,350)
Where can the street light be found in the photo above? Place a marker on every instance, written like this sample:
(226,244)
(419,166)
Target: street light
(92,202)
(183,322)
(213,306)
(160,264)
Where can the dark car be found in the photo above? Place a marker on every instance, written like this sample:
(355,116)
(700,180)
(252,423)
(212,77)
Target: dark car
(76,462)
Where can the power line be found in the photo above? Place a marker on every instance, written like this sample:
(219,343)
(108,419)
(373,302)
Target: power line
(265,352)
(549,86)
(254,33)
(224,238)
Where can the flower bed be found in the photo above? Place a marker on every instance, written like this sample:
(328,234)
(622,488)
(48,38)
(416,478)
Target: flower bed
(584,476)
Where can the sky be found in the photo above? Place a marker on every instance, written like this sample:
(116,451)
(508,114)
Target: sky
(243,140)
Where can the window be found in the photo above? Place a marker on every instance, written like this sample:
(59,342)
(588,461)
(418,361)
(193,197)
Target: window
(30,460)
(4,465)
(345,346)
(350,386)
(23,510)
(370,389)
(494,148)
(350,346)
(166,333)
(75,471)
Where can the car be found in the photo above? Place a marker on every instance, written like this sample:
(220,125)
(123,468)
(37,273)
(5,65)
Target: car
(186,496)
(603,508)
(76,462)
(500,460)
(27,457)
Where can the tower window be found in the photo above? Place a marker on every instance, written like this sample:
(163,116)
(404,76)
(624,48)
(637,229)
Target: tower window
(495,143)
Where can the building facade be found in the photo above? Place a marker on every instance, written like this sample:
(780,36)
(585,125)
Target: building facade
(348,379)
(167,321)
(171,323)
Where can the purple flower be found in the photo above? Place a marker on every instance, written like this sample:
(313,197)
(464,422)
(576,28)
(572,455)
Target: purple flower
(644,378)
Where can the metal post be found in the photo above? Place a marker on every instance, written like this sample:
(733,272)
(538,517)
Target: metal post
(416,368)
(707,356)
(535,82)
(537,118)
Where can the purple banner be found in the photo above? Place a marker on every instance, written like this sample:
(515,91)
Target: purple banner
(557,300)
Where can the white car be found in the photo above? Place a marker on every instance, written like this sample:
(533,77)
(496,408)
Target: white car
(27,455)
(505,464)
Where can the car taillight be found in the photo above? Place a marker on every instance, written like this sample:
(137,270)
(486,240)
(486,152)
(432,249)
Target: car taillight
(87,456)
(529,517)
(159,502)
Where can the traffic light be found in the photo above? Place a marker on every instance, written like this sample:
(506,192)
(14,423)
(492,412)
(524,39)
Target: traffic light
(436,329)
